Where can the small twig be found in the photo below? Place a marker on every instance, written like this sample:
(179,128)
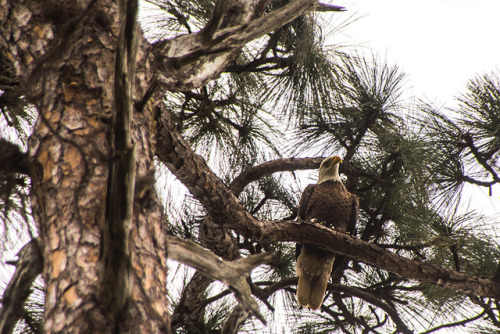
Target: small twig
(454,324)
(479,157)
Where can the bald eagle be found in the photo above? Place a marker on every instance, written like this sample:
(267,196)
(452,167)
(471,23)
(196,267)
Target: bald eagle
(328,202)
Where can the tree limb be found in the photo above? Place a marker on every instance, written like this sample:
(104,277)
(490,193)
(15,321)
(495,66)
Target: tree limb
(374,255)
(291,164)
(232,273)
(12,160)
(370,298)
(28,266)
(220,202)
(270,167)
(454,324)
(192,60)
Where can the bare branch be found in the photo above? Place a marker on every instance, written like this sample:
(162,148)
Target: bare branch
(291,164)
(455,324)
(232,273)
(192,60)
(28,266)
(391,311)
(270,167)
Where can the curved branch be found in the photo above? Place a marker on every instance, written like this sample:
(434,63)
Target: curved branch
(272,288)
(454,324)
(292,164)
(28,266)
(270,167)
(391,311)
(231,273)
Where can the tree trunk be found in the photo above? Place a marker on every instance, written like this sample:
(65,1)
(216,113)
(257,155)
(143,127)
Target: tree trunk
(64,53)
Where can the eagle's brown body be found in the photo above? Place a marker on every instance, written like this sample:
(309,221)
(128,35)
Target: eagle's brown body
(329,203)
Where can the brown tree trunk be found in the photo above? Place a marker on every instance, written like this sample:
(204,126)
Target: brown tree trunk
(63,52)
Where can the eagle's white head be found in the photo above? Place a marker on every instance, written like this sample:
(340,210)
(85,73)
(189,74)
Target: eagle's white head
(329,169)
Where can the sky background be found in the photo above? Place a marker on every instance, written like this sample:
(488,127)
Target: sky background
(439,44)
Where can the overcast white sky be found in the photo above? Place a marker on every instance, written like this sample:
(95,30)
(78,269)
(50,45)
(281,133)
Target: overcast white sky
(439,44)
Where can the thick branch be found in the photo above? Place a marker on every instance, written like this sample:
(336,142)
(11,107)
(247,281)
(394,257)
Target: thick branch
(12,160)
(291,164)
(28,266)
(232,273)
(192,60)
(374,255)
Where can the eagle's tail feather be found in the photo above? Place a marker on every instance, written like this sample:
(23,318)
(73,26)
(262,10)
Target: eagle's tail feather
(318,289)
(303,290)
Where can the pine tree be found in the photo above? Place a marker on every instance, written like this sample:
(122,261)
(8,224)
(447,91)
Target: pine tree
(194,143)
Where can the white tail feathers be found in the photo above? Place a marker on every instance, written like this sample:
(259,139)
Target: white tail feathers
(313,273)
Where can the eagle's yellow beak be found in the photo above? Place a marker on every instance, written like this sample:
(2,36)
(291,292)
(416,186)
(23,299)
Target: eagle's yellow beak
(337,159)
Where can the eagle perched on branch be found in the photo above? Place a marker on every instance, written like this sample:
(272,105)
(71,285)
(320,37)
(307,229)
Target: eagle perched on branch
(328,202)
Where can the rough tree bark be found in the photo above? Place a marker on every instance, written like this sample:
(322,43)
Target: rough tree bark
(63,53)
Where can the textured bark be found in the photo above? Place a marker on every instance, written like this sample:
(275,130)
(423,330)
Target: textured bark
(376,256)
(64,53)
(190,312)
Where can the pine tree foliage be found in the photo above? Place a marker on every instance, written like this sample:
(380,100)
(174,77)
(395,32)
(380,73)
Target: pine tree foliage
(287,94)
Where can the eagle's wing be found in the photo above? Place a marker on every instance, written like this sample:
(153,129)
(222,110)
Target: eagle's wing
(302,211)
(340,261)
(304,201)
(353,220)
